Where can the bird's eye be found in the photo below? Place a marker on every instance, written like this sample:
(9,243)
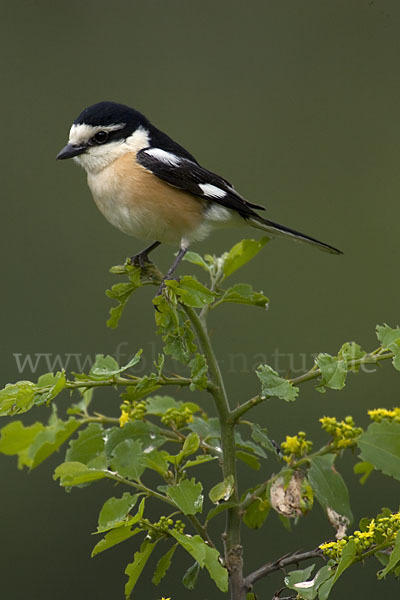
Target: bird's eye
(100,137)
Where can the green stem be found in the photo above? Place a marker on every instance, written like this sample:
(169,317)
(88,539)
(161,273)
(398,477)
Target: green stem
(233,548)
(368,359)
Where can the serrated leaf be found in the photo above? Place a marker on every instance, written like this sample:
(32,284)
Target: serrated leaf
(146,433)
(115,510)
(88,446)
(121,292)
(380,446)
(207,429)
(16,398)
(198,372)
(241,253)
(157,461)
(274,385)
(205,556)
(333,372)
(75,473)
(300,575)
(107,366)
(191,292)
(249,446)
(55,382)
(243,293)
(190,577)
(329,487)
(351,351)
(135,568)
(221,492)
(50,439)
(260,436)
(127,459)
(187,496)
(390,340)
(114,537)
(174,328)
(163,565)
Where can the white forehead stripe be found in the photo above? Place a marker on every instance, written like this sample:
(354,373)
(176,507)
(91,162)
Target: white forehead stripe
(212,190)
(164,156)
(82,132)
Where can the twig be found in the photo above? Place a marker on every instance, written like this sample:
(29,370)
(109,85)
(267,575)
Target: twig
(280,563)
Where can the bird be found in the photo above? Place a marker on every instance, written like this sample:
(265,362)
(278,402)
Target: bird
(150,187)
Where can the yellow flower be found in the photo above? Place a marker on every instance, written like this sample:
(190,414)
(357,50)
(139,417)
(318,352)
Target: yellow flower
(165,598)
(124,418)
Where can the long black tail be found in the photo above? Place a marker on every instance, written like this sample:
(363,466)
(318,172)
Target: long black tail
(282,230)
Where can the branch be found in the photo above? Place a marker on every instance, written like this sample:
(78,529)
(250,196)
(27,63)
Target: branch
(286,560)
(314,373)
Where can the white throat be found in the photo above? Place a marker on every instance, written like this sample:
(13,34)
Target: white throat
(96,158)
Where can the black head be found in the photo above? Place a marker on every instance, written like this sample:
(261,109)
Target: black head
(100,124)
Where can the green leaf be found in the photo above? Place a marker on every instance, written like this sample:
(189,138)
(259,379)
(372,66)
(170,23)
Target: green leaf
(257,511)
(390,340)
(88,447)
(308,590)
(157,461)
(187,496)
(135,568)
(249,459)
(16,439)
(146,433)
(191,292)
(174,328)
(351,351)
(127,459)
(190,577)
(75,473)
(333,372)
(380,446)
(349,555)
(241,253)
(115,510)
(207,429)
(248,445)
(274,385)
(50,439)
(196,259)
(219,509)
(158,405)
(298,576)
(121,292)
(17,398)
(330,489)
(198,372)
(393,560)
(260,436)
(55,384)
(223,490)
(365,469)
(107,366)
(205,556)
(243,293)
(114,537)
(199,460)
(163,565)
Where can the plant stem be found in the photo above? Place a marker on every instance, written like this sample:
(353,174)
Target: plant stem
(369,359)
(233,548)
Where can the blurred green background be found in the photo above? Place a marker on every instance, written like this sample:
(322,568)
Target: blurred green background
(298,104)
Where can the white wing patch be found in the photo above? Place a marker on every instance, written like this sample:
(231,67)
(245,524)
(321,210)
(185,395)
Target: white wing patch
(212,190)
(162,155)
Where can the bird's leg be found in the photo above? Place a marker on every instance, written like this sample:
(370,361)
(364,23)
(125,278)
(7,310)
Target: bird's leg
(142,258)
(172,269)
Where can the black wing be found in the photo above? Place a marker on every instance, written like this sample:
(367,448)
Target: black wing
(188,175)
